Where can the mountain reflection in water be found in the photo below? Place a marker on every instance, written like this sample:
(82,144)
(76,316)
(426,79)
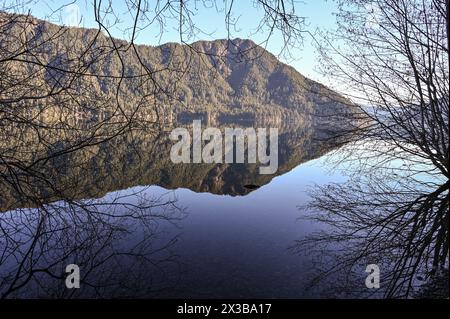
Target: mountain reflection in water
(173,238)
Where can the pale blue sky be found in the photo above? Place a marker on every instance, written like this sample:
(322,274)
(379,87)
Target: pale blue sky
(318,14)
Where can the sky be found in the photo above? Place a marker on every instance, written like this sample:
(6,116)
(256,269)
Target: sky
(210,19)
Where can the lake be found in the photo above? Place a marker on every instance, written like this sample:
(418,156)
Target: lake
(138,225)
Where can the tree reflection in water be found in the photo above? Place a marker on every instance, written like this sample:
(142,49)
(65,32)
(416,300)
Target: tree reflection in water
(114,241)
(396,216)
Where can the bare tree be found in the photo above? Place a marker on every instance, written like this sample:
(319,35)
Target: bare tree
(393,59)
(56,97)
(57,101)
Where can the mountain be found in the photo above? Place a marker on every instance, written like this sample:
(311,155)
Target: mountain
(94,74)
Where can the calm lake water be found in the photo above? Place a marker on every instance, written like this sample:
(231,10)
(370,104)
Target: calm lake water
(238,246)
(157,229)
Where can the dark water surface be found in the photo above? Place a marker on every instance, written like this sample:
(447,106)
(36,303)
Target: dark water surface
(157,229)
